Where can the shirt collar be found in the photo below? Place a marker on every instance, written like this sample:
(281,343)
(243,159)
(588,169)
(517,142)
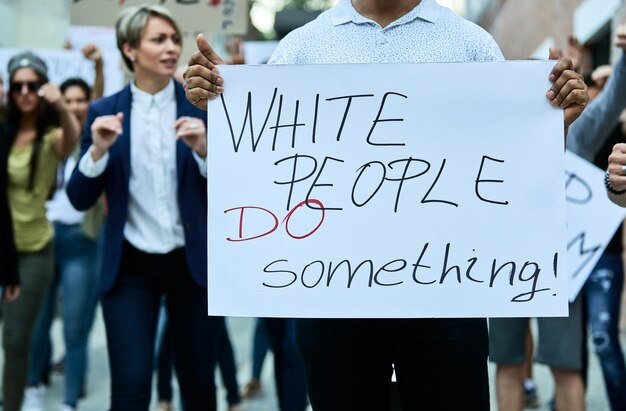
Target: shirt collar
(344,12)
(161,98)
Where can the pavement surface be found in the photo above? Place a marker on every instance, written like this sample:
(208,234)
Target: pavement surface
(241,333)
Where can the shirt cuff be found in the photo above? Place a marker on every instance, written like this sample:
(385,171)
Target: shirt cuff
(91,168)
(201,163)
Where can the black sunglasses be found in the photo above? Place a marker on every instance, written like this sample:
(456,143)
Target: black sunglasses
(17,86)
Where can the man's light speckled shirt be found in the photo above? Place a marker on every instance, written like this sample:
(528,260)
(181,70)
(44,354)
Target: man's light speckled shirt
(428,33)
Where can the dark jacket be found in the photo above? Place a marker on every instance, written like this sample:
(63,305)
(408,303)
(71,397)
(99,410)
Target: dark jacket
(192,188)
(8,255)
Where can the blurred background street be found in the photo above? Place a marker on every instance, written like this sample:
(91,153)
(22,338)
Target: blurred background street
(58,31)
(241,333)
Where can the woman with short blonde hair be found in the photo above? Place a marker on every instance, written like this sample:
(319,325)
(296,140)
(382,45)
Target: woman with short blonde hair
(145,148)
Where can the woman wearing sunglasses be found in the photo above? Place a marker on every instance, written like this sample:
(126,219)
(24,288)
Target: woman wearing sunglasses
(40,130)
(76,273)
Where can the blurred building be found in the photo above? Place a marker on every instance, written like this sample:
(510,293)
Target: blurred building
(528,28)
(291,18)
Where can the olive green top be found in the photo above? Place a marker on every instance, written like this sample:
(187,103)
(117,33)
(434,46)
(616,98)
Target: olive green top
(31,229)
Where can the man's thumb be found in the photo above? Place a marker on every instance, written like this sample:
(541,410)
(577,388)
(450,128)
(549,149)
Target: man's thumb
(205,48)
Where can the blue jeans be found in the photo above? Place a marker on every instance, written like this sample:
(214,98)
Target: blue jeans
(288,367)
(131,311)
(603,291)
(164,358)
(76,273)
(228,368)
(260,346)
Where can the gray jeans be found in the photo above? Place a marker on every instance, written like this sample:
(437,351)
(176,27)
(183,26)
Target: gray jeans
(35,270)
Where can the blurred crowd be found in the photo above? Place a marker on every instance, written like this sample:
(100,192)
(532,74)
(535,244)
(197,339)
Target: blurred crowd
(89,216)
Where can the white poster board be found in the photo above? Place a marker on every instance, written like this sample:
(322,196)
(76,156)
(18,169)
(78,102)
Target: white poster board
(192,16)
(198,16)
(63,64)
(101,36)
(591,219)
(431,190)
(258,52)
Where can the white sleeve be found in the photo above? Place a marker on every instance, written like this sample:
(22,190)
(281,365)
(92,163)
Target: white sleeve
(91,168)
(202,167)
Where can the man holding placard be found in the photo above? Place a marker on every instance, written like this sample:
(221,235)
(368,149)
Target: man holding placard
(349,361)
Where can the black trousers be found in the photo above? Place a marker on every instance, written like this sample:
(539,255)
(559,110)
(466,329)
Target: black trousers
(440,364)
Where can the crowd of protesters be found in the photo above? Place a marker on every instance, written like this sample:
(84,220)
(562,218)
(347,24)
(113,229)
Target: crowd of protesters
(91,208)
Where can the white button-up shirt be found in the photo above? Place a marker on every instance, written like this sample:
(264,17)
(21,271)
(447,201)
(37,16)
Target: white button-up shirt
(59,209)
(428,33)
(153,224)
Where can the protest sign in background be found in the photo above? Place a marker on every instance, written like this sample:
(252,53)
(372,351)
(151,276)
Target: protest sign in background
(228,16)
(63,64)
(423,190)
(258,52)
(193,16)
(591,219)
(101,36)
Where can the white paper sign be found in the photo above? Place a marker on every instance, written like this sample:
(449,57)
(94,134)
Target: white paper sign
(228,16)
(591,219)
(414,190)
(63,64)
(258,52)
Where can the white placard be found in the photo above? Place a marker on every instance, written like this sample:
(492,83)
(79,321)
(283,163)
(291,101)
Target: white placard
(226,16)
(63,64)
(192,16)
(258,52)
(101,36)
(591,219)
(432,190)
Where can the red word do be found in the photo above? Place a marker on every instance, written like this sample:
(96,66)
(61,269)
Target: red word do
(286,220)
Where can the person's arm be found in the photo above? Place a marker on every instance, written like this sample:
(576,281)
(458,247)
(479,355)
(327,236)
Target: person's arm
(235,51)
(574,52)
(588,134)
(66,138)
(92,52)
(87,181)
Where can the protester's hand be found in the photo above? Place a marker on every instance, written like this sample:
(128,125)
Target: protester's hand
(574,52)
(11,293)
(52,95)
(568,90)
(235,51)
(193,132)
(92,52)
(617,167)
(202,79)
(104,132)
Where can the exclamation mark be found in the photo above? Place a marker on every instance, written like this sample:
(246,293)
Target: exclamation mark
(555,267)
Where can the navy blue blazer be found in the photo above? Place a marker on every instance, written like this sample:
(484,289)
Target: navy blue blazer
(83,191)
